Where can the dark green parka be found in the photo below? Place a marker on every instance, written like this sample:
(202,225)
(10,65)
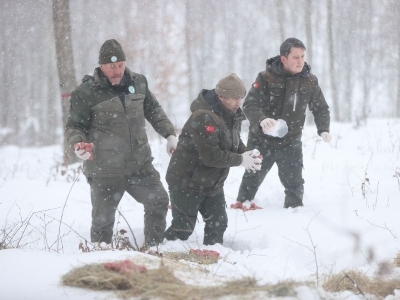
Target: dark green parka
(114,121)
(277,95)
(208,146)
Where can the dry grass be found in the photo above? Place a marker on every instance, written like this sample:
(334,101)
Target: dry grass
(203,260)
(357,282)
(161,283)
(397,260)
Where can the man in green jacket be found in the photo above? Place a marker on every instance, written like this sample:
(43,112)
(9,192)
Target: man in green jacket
(106,127)
(283,91)
(208,146)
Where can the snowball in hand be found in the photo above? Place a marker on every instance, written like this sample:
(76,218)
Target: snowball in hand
(279,130)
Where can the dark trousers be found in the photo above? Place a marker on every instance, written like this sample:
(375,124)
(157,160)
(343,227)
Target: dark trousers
(145,187)
(186,205)
(289,160)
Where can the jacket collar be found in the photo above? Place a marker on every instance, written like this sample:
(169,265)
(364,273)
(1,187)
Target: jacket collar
(274,65)
(101,80)
(208,99)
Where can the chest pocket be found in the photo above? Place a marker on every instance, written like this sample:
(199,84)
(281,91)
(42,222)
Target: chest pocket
(225,138)
(108,113)
(277,90)
(135,115)
(275,99)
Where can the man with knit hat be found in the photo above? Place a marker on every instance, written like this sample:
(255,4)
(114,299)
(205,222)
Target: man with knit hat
(208,146)
(106,127)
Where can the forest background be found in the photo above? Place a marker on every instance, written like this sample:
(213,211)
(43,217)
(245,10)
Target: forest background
(183,46)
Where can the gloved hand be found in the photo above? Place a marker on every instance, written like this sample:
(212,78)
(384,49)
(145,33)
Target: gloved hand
(172,142)
(267,124)
(251,161)
(256,154)
(326,136)
(84,150)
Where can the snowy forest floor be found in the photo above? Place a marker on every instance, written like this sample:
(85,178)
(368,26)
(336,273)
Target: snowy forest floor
(350,222)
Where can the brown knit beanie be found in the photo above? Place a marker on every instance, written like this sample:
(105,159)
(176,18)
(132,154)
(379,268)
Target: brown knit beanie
(231,86)
(110,52)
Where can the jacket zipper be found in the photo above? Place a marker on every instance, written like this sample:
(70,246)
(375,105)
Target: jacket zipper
(294,102)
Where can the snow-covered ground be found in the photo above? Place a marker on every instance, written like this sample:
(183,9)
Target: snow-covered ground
(351,215)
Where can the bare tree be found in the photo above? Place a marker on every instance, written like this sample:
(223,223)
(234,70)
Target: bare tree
(396,12)
(65,60)
(345,40)
(366,12)
(188,45)
(281,18)
(331,48)
(309,42)
(398,70)
(309,36)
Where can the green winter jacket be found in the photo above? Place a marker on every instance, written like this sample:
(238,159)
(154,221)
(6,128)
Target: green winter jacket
(115,127)
(208,146)
(278,95)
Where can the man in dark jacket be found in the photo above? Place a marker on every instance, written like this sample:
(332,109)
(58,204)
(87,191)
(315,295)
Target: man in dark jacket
(283,91)
(106,127)
(208,146)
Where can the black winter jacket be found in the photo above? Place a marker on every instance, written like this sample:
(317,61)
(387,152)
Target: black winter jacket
(277,95)
(113,119)
(208,146)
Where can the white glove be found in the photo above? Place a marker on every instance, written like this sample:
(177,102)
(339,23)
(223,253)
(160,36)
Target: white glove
(172,142)
(267,124)
(250,161)
(84,150)
(326,136)
(82,154)
(280,129)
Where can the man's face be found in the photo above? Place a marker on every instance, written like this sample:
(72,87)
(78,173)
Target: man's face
(294,62)
(231,103)
(114,71)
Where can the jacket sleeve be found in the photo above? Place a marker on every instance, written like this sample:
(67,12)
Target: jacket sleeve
(155,114)
(78,120)
(319,107)
(242,147)
(205,135)
(254,102)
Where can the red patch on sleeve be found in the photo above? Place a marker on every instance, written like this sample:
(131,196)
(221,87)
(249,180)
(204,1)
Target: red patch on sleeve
(210,128)
(256,85)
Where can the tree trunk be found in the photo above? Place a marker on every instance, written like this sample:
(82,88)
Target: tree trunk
(309,43)
(332,63)
(398,82)
(65,61)
(397,112)
(309,37)
(281,18)
(189,54)
(366,76)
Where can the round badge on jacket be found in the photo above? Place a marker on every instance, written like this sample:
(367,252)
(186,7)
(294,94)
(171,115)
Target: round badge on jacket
(131,89)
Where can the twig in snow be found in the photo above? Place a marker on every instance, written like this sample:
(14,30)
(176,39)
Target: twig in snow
(391,231)
(62,213)
(313,250)
(354,284)
(134,238)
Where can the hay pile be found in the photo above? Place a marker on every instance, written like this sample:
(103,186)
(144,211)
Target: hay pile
(190,256)
(359,283)
(397,260)
(161,283)
(149,283)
